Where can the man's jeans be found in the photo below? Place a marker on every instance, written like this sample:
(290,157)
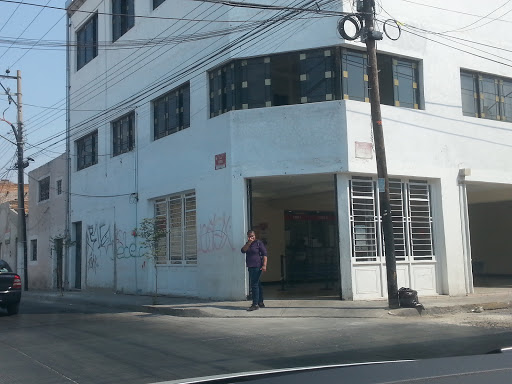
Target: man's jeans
(254,280)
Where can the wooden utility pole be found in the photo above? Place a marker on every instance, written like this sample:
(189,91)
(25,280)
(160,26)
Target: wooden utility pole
(380,152)
(20,165)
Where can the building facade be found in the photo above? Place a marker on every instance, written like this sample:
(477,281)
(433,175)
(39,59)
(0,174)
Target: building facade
(46,225)
(211,119)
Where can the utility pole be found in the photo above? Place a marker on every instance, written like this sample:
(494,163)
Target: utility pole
(21,165)
(380,151)
(22,220)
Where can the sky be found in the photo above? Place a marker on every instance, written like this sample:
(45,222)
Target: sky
(43,72)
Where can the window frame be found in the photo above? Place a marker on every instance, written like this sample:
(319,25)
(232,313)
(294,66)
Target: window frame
(82,48)
(44,195)
(119,132)
(58,187)
(82,161)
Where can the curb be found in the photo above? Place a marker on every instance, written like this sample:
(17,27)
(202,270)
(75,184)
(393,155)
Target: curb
(438,311)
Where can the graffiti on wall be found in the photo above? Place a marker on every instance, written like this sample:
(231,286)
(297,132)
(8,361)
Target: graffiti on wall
(127,247)
(98,244)
(216,234)
(101,244)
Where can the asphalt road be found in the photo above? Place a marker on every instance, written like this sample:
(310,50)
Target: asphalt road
(62,343)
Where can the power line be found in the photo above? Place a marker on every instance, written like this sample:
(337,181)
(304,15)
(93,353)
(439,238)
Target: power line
(27,27)
(481,18)
(12,14)
(143,92)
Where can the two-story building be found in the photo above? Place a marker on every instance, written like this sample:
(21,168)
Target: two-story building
(47,237)
(215,118)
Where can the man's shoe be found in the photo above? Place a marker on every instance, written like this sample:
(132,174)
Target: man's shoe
(253,308)
(261,305)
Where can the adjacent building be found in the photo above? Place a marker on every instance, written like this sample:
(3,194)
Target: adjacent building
(211,119)
(46,225)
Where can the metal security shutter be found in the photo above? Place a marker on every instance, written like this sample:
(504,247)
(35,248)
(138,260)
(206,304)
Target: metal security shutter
(363,219)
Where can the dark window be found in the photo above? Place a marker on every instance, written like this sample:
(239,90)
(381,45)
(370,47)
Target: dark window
(318,76)
(87,42)
(59,187)
(405,81)
(156,3)
(123,133)
(254,81)
(123,17)
(486,96)
(469,89)
(507,100)
(355,76)
(44,189)
(171,112)
(310,76)
(284,73)
(33,250)
(87,150)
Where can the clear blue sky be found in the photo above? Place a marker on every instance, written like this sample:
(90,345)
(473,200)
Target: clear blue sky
(43,73)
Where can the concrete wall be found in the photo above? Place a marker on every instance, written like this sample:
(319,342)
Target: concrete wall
(46,223)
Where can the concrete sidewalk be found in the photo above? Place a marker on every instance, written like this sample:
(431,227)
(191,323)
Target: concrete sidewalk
(487,298)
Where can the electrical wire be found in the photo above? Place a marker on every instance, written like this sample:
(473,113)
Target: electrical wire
(480,19)
(10,17)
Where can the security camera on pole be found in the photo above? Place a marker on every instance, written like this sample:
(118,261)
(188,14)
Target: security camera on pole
(364,24)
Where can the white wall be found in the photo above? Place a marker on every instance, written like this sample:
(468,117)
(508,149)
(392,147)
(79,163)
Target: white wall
(8,236)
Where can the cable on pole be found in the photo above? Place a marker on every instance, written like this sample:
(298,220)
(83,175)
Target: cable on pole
(356,22)
(396,25)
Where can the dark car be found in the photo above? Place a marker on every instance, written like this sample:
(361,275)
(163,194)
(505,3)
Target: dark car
(10,289)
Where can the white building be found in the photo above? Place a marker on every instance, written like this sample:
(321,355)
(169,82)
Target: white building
(217,118)
(9,237)
(46,224)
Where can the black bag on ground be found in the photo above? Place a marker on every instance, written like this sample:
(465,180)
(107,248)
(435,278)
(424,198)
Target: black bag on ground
(407,297)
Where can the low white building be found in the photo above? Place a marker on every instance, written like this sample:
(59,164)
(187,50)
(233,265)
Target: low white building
(9,237)
(46,225)
(214,119)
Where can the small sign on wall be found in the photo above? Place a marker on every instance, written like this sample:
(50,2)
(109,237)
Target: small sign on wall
(220,161)
(364,150)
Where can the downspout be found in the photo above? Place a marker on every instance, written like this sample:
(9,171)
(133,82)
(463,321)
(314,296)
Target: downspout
(465,231)
(68,158)
(136,175)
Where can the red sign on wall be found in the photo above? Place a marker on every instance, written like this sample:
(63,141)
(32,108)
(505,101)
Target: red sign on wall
(220,161)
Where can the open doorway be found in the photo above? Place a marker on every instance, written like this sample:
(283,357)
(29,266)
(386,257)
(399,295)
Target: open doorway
(296,217)
(490,221)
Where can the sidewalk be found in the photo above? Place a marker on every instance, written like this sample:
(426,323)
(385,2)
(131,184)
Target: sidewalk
(487,298)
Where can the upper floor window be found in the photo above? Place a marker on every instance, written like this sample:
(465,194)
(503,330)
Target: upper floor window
(171,112)
(87,150)
(310,76)
(156,3)
(33,250)
(486,96)
(123,134)
(59,187)
(87,42)
(123,17)
(44,189)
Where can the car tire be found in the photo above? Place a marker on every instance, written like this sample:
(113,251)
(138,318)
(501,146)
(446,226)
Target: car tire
(12,309)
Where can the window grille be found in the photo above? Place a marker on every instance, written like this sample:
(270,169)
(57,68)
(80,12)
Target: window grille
(411,217)
(44,189)
(177,215)
(123,134)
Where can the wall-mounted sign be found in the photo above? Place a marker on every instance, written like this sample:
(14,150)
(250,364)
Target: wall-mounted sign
(220,161)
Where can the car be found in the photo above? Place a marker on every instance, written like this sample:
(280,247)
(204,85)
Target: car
(10,289)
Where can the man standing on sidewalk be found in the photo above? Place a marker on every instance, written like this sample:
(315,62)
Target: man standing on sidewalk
(256,261)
